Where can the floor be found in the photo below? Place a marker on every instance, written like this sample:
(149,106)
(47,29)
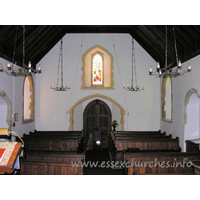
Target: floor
(100,163)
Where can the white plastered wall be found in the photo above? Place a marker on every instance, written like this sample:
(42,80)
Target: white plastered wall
(181,85)
(13,87)
(52,108)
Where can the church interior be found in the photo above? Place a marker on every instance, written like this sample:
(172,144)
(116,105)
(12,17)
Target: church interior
(125,96)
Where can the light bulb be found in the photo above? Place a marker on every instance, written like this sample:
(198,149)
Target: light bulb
(179,63)
(150,70)
(189,67)
(158,65)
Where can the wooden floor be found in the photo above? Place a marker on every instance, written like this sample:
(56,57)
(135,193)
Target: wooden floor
(98,157)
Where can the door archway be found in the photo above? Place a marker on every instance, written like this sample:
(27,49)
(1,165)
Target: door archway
(71,110)
(192,115)
(97,114)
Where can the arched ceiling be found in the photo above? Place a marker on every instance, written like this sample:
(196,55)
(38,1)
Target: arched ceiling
(39,40)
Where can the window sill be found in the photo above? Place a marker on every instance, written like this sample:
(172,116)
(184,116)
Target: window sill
(26,121)
(167,120)
(97,88)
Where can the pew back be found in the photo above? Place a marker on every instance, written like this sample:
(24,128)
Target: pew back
(160,163)
(55,156)
(147,144)
(51,144)
(141,137)
(49,168)
(136,133)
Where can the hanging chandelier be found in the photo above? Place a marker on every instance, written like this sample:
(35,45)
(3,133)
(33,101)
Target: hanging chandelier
(20,71)
(130,87)
(167,70)
(60,62)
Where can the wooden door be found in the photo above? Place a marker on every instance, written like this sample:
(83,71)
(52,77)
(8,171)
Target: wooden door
(97,114)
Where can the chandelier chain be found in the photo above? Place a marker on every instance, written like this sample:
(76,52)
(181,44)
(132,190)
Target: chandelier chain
(24,70)
(15,44)
(59,61)
(119,72)
(175,45)
(133,57)
(166,44)
(24,46)
(131,88)
(79,56)
(167,70)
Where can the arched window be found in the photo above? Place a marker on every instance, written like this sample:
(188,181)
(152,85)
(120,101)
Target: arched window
(28,104)
(167,99)
(97,69)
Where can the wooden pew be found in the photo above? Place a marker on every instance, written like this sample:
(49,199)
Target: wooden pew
(51,152)
(192,145)
(51,143)
(56,132)
(145,144)
(55,156)
(130,134)
(49,168)
(139,133)
(57,136)
(135,137)
(78,134)
(160,163)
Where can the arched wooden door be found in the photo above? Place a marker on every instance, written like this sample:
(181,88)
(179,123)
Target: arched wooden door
(97,114)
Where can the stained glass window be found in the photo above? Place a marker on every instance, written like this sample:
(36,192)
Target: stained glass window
(97,70)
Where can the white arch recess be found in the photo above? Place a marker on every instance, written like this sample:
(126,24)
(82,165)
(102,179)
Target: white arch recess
(191,130)
(9,108)
(187,98)
(71,111)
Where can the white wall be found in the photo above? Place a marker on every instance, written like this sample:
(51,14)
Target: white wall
(13,87)
(142,109)
(3,115)
(181,85)
(192,125)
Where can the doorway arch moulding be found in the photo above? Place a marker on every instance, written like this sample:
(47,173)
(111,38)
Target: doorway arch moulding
(71,111)
(9,108)
(187,98)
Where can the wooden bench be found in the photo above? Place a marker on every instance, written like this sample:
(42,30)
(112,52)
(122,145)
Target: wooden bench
(135,137)
(160,163)
(136,133)
(49,168)
(56,136)
(55,132)
(77,134)
(192,146)
(145,144)
(55,156)
(51,152)
(50,143)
